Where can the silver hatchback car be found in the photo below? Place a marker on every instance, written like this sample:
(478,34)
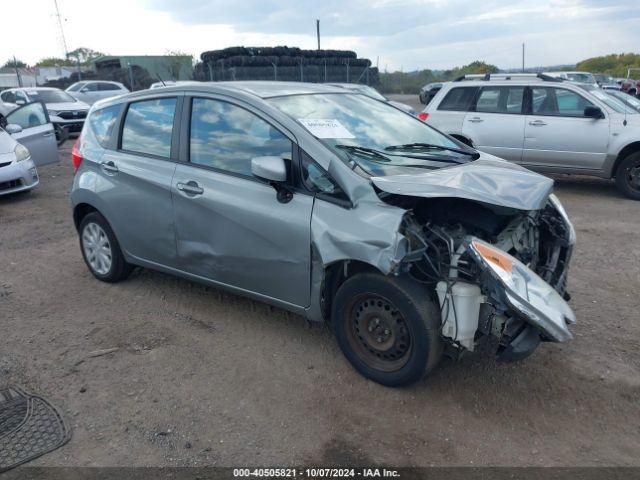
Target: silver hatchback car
(332,205)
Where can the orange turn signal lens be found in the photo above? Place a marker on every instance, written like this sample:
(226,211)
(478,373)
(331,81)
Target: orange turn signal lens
(495,256)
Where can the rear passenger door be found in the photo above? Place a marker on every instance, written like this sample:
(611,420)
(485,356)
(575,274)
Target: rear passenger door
(496,123)
(230,226)
(134,179)
(558,135)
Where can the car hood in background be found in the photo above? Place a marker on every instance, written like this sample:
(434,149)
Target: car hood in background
(488,179)
(7,143)
(66,106)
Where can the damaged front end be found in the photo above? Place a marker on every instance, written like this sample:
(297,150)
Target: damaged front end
(497,271)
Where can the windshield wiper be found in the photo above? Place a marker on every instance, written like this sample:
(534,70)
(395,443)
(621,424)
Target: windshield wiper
(371,152)
(431,146)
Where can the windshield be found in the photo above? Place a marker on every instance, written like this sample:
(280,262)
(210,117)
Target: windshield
(49,96)
(610,101)
(581,77)
(626,98)
(372,136)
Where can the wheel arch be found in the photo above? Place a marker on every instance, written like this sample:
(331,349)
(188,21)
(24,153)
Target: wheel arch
(624,153)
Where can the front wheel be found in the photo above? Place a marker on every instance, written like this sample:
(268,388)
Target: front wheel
(387,327)
(628,176)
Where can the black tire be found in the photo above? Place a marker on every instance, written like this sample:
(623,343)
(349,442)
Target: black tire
(119,269)
(628,176)
(410,329)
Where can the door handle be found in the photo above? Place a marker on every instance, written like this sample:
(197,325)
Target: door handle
(109,167)
(190,188)
(538,123)
(476,120)
(47,134)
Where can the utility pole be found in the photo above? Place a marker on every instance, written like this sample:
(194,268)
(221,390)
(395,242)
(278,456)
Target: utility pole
(318,32)
(15,66)
(523,58)
(64,40)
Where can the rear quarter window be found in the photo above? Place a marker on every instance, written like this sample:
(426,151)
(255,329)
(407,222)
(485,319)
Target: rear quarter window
(148,127)
(103,122)
(458,99)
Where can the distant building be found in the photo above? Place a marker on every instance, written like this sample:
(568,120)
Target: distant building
(26,77)
(164,67)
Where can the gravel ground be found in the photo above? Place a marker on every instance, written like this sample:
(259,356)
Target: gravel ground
(203,377)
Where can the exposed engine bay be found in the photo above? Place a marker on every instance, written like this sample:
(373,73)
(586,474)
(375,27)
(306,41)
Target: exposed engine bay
(457,247)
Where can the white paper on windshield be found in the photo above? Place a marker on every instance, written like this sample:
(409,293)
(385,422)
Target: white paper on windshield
(325,128)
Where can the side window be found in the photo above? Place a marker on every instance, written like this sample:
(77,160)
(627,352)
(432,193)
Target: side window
(148,127)
(8,97)
(543,102)
(571,104)
(75,87)
(558,102)
(458,99)
(107,87)
(227,137)
(317,180)
(515,98)
(489,100)
(500,100)
(103,122)
(31,115)
(91,86)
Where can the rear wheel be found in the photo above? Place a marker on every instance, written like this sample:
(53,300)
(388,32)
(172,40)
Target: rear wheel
(387,327)
(628,176)
(101,251)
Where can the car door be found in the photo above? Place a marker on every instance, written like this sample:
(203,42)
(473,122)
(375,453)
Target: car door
(496,123)
(558,135)
(89,93)
(37,132)
(447,114)
(231,227)
(135,179)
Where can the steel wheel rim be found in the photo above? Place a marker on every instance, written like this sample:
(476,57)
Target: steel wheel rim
(633,177)
(378,333)
(97,249)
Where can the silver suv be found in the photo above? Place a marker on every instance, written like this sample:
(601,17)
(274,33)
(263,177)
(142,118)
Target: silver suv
(544,124)
(334,206)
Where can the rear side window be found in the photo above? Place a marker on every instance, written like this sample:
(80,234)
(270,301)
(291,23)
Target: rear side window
(148,127)
(103,122)
(106,87)
(458,99)
(500,100)
(227,137)
(75,87)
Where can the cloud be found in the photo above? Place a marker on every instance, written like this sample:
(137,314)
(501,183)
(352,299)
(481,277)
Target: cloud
(405,34)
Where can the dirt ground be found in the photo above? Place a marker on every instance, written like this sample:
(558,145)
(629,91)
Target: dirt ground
(202,377)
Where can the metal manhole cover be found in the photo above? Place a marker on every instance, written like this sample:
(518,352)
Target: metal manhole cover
(29,427)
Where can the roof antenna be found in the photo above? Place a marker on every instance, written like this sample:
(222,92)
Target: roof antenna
(162,81)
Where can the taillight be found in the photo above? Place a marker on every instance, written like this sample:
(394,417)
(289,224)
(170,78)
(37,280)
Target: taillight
(76,157)
(423,116)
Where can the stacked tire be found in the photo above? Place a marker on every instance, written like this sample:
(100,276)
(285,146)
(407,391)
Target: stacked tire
(285,64)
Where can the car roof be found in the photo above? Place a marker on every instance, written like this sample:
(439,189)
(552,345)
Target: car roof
(258,88)
(503,82)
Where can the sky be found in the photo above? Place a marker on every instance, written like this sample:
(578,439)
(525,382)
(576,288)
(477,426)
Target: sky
(398,34)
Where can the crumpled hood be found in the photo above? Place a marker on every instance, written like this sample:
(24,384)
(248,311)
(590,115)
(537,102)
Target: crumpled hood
(488,179)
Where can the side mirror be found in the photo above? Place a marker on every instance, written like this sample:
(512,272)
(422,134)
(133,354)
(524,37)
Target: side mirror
(13,128)
(593,112)
(269,168)
(20,102)
(84,90)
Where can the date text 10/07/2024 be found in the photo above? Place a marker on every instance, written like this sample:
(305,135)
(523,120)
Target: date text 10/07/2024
(316,472)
